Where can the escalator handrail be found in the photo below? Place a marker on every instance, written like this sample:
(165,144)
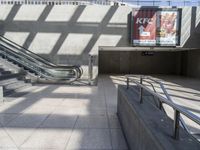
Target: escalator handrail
(31,63)
(41,59)
(35,55)
(26,50)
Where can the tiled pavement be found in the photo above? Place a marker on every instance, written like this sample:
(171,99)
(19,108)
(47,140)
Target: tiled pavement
(63,117)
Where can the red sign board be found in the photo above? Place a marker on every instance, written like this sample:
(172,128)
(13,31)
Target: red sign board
(153,27)
(144,27)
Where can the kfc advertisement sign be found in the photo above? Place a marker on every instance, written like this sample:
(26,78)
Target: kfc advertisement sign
(153,27)
(144,27)
(167,28)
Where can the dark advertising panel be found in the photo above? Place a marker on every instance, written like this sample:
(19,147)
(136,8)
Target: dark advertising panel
(155,27)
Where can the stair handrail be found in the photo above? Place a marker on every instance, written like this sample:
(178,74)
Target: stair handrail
(168,97)
(177,109)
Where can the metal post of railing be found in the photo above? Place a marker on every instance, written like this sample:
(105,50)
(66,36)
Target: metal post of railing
(176,124)
(127,83)
(160,104)
(90,69)
(1,94)
(141,91)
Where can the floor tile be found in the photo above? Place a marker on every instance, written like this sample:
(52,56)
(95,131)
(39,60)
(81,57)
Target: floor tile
(19,135)
(16,107)
(40,110)
(48,102)
(114,122)
(90,139)
(59,121)
(6,118)
(92,122)
(82,111)
(78,117)
(5,141)
(118,141)
(27,121)
(48,139)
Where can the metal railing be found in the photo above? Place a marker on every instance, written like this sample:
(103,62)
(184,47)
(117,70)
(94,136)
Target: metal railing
(56,2)
(105,2)
(90,69)
(38,65)
(162,3)
(166,100)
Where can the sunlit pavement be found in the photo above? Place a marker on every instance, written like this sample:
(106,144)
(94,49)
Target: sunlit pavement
(79,117)
(63,117)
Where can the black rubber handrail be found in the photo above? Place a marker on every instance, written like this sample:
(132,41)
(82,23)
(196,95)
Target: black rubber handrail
(41,59)
(33,54)
(33,66)
(26,50)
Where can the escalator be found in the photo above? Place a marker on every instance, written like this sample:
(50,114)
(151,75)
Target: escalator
(34,63)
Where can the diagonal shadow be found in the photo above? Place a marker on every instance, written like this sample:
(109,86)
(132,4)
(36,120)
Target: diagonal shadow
(71,23)
(33,33)
(24,104)
(96,29)
(10,17)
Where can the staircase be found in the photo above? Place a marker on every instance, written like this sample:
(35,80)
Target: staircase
(12,80)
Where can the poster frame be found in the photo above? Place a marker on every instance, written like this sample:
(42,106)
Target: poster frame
(178,33)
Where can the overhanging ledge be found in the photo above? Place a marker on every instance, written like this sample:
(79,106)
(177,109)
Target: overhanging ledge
(166,49)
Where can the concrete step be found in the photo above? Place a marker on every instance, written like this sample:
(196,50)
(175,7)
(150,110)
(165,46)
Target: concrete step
(5,72)
(1,69)
(16,66)
(13,85)
(19,93)
(8,81)
(9,76)
(16,89)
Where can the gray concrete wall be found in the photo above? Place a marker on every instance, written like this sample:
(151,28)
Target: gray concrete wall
(65,34)
(191,63)
(136,63)
(190,27)
(146,127)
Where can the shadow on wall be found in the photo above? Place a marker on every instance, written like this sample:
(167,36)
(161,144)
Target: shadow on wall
(191,27)
(65,34)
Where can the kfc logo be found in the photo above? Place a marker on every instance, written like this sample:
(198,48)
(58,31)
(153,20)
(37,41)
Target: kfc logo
(143,20)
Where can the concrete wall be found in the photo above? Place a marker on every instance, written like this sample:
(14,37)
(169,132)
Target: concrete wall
(65,34)
(136,63)
(190,27)
(191,63)
(146,127)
